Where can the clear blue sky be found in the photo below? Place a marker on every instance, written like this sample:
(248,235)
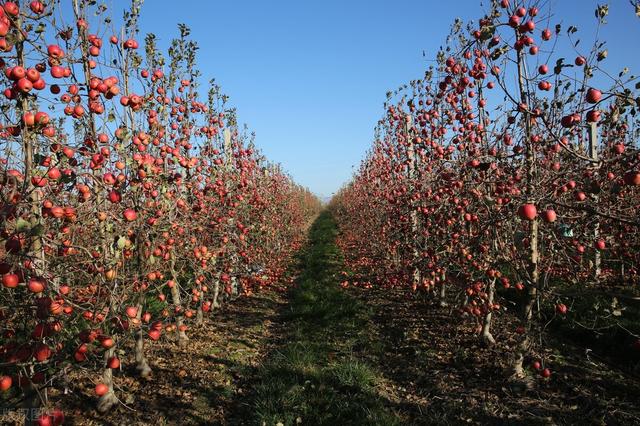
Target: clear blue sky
(310,76)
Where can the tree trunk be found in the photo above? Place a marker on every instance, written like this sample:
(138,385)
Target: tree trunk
(415,225)
(177,302)
(31,404)
(533,255)
(141,361)
(32,399)
(593,148)
(234,286)
(182,336)
(216,292)
(443,291)
(142,366)
(199,315)
(108,400)
(486,336)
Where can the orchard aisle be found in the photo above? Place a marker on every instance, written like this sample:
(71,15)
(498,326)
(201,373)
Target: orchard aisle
(321,372)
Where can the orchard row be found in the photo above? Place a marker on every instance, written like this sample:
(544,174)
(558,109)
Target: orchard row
(131,202)
(509,176)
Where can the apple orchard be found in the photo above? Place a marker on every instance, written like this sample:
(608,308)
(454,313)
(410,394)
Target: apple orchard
(504,186)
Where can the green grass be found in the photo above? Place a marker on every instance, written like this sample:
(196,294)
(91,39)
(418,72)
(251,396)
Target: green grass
(318,377)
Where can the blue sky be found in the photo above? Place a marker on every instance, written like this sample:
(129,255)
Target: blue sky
(310,77)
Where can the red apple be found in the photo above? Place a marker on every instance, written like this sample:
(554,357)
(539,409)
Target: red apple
(5,382)
(10,280)
(42,352)
(549,216)
(36,7)
(632,178)
(101,389)
(593,116)
(131,311)
(527,212)
(129,215)
(11,8)
(55,51)
(54,173)
(113,363)
(618,148)
(36,285)
(561,308)
(58,417)
(44,420)
(107,342)
(594,96)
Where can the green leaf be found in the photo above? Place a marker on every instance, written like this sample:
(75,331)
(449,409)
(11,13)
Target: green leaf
(602,55)
(601,12)
(487,32)
(499,52)
(22,225)
(588,71)
(559,65)
(38,230)
(122,242)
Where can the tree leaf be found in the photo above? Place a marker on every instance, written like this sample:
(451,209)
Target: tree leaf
(22,225)
(603,55)
(558,68)
(37,230)
(122,242)
(601,12)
